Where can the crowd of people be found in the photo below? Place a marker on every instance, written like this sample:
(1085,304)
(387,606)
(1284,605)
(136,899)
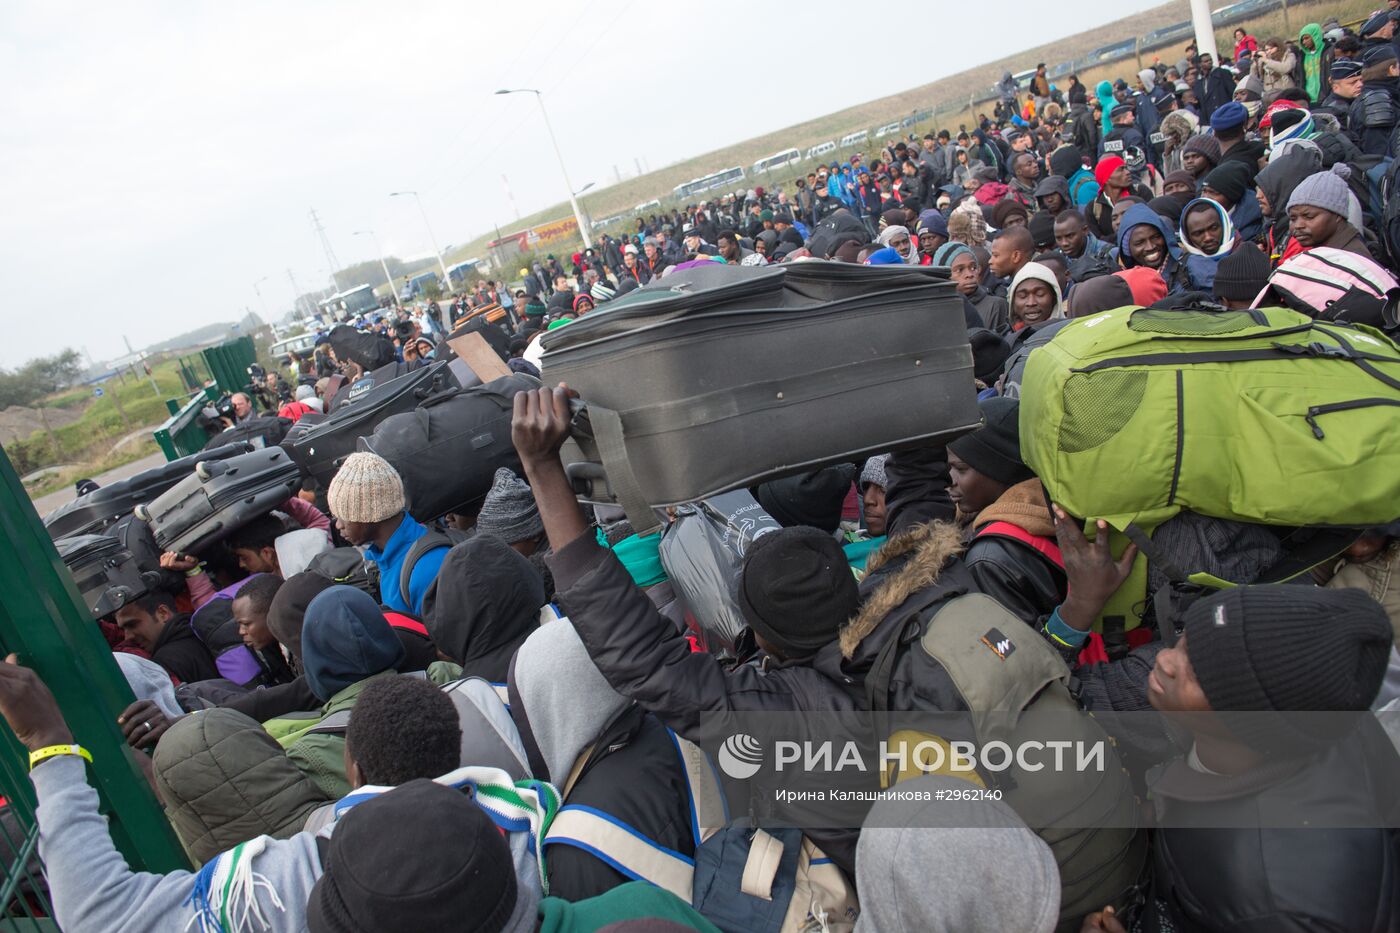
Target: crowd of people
(473,723)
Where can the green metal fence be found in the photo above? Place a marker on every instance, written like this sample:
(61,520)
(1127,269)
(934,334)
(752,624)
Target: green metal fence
(181,434)
(229,362)
(43,619)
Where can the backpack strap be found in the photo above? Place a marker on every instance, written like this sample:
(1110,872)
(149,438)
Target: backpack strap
(623,847)
(1047,547)
(407,622)
(337,723)
(430,541)
(761,867)
(709,811)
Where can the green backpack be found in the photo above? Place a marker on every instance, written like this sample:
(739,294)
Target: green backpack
(1261,415)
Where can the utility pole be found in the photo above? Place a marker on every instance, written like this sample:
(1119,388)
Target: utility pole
(296,296)
(326,245)
(506,181)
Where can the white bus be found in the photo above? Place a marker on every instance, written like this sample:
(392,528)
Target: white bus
(777,160)
(821,149)
(887,129)
(854,139)
(718,180)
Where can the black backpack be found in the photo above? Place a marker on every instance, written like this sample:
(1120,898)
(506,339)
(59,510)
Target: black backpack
(347,566)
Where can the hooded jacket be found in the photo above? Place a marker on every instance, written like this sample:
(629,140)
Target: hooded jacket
(1014,573)
(485,602)
(1200,265)
(1104,92)
(346,642)
(181,653)
(1277,180)
(224,781)
(909,842)
(600,750)
(1172,270)
(1034,270)
(345,639)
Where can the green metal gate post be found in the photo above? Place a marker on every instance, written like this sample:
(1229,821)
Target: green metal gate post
(45,621)
(229,362)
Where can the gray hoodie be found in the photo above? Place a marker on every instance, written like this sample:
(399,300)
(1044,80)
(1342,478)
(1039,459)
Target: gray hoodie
(960,866)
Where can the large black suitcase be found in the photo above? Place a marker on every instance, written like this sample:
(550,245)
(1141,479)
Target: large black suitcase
(104,571)
(448,449)
(726,378)
(220,498)
(320,450)
(255,430)
(96,511)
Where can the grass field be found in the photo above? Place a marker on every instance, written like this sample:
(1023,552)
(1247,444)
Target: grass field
(88,442)
(619,199)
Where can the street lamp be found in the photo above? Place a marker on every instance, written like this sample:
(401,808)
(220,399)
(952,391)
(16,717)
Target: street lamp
(568,186)
(446,279)
(382,264)
(583,189)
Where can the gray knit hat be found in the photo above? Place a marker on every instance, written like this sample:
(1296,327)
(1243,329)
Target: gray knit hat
(873,473)
(510,512)
(1207,146)
(601,292)
(366,489)
(1325,190)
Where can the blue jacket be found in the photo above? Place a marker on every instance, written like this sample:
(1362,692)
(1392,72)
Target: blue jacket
(390,561)
(1172,271)
(1083,192)
(1200,267)
(1247,217)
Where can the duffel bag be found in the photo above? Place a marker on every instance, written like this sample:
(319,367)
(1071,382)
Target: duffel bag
(1261,415)
(448,449)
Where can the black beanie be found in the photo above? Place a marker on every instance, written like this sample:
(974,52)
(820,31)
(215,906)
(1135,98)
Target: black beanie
(1242,275)
(1042,228)
(994,450)
(814,499)
(1066,160)
(1288,649)
(989,353)
(462,866)
(797,590)
(1231,179)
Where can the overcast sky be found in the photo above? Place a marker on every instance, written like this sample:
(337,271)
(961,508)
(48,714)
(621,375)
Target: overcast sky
(158,159)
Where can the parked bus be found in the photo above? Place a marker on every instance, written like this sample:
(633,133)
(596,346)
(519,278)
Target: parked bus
(718,180)
(854,139)
(821,149)
(346,304)
(777,160)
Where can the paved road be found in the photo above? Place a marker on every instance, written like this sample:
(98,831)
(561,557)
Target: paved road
(53,500)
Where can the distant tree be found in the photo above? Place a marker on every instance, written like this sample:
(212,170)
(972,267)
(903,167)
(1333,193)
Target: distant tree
(39,377)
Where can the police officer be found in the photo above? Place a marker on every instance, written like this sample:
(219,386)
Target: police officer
(1345,77)
(1376,111)
(1124,135)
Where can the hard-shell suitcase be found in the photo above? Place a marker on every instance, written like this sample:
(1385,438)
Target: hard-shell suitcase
(220,498)
(256,430)
(729,380)
(447,451)
(96,511)
(320,450)
(99,566)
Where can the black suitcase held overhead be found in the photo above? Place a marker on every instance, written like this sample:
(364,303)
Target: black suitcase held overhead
(99,566)
(447,450)
(713,379)
(220,498)
(100,508)
(320,450)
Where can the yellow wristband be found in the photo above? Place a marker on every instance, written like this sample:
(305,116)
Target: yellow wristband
(53,751)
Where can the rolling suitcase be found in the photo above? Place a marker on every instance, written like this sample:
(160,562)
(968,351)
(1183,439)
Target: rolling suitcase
(447,451)
(320,450)
(99,509)
(220,498)
(256,430)
(100,565)
(727,378)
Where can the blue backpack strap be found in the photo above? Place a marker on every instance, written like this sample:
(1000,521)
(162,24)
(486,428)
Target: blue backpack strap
(624,848)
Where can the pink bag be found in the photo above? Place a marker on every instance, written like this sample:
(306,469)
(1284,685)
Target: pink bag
(1312,280)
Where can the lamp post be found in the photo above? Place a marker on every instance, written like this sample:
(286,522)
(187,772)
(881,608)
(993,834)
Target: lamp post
(568,186)
(446,279)
(382,264)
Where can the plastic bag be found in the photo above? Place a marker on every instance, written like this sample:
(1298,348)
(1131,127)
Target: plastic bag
(703,552)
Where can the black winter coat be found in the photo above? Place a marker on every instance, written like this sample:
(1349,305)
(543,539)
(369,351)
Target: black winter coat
(182,654)
(1304,879)
(638,780)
